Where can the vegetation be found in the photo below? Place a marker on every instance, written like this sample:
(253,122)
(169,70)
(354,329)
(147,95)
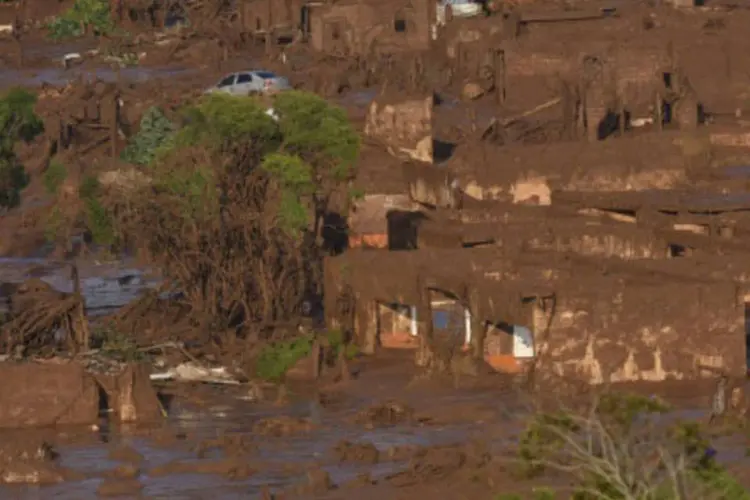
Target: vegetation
(18,122)
(621,450)
(115,345)
(337,342)
(54,176)
(234,209)
(155,130)
(98,221)
(538,494)
(276,359)
(83,18)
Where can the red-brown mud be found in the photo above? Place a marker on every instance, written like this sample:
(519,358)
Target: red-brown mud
(552,145)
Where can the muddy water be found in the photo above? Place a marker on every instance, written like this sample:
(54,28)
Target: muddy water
(280,462)
(105,285)
(60,76)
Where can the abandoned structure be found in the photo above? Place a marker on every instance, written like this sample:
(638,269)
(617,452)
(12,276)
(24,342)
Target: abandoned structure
(573,318)
(346,27)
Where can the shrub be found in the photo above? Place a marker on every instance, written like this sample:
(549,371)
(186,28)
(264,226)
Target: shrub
(85,16)
(276,359)
(18,122)
(154,132)
(619,450)
(54,176)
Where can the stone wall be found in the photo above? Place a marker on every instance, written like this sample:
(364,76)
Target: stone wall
(643,333)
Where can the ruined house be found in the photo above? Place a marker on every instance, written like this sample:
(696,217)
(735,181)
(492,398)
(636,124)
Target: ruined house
(568,316)
(403,124)
(285,18)
(363,27)
(530,174)
(519,229)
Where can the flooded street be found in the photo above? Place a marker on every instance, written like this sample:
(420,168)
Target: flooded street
(105,286)
(277,462)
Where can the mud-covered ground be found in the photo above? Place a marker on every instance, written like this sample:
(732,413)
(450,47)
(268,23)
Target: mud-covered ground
(386,434)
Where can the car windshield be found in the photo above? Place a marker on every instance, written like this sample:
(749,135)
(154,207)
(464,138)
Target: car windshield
(229,80)
(266,75)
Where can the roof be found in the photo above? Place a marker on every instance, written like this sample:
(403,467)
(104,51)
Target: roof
(662,200)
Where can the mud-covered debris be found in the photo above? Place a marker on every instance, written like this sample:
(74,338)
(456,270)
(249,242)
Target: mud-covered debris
(193,372)
(388,413)
(31,473)
(318,482)
(72,58)
(282,426)
(25,449)
(126,454)
(25,460)
(131,395)
(363,479)
(472,91)
(254,392)
(441,461)
(124,471)
(119,487)
(41,318)
(231,468)
(346,451)
(53,394)
(400,453)
(232,445)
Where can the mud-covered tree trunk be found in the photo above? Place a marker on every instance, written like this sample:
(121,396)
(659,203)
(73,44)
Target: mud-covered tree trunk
(424,353)
(367,324)
(443,352)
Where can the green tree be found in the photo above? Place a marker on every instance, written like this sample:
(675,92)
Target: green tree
(54,176)
(155,131)
(318,153)
(18,122)
(84,17)
(232,214)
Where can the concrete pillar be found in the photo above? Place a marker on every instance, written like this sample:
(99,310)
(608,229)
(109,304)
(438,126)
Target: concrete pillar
(467,326)
(367,325)
(424,310)
(331,292)
(413,325)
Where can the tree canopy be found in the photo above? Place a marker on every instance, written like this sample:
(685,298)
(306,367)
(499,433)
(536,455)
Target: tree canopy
(18,122)
(234,210)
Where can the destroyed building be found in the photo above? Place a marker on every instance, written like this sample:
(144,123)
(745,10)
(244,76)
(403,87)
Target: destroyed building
(346,27)
(357,27)
(601,325)
(602,261)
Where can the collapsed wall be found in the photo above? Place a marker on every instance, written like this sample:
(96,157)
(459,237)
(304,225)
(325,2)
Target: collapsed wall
(519,228)
(530,174)
(588,320)
(67,394)
(403,125)
(628,332)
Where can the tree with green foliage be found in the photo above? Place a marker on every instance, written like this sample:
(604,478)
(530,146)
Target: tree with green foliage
(54,176)
(155,131)
(236,199)
(622,448)
(18,122)
(83,18)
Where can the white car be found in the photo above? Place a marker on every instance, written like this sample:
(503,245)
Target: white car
(250,82)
